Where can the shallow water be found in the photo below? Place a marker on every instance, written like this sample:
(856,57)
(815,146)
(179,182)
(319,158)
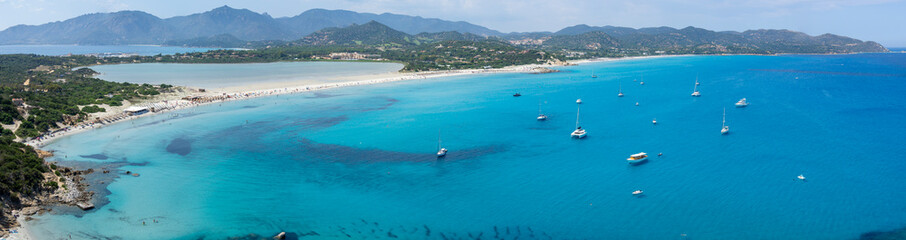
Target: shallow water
(359,162)
(232,75)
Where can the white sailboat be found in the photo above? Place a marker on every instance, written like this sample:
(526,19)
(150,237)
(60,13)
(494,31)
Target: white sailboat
(654,121)
(695,92)
(621,90)
(724,128)
(642,82)
(579,132)
(440,150)
(541,116)
(579,101)
(593,74)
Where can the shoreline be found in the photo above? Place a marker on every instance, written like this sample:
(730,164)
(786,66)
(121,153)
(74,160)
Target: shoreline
(173,101)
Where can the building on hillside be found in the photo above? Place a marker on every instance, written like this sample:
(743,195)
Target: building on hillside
(18,102)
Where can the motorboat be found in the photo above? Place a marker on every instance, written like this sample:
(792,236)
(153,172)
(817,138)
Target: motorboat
(742,103)
(637,158)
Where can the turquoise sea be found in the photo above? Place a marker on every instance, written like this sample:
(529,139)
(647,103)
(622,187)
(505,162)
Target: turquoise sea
(59,50)
(358,162)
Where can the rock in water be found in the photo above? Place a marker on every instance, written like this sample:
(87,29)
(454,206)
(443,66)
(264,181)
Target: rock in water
(85,206)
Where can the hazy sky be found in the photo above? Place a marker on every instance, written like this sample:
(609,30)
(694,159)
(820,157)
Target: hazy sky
(883,21)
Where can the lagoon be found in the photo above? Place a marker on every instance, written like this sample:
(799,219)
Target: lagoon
(359,162)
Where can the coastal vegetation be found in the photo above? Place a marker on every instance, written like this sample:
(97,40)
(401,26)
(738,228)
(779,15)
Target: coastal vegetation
(40,92)
(21,173)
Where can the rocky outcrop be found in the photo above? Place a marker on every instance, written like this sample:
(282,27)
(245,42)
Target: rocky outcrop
(63,186)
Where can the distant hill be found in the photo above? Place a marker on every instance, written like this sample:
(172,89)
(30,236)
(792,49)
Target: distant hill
(220,41)
(370,33)
(317,19)
(374,33)
(126,27)
(241,23)
(136,27)
(701,41)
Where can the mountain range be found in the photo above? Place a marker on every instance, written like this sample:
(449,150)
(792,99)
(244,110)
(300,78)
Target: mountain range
(136,27)
(230,27)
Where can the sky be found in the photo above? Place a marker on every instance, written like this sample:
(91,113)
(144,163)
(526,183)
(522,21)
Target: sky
(883,21)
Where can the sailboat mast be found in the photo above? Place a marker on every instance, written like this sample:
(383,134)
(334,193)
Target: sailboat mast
(724,121)
(577,115)
(438,140)
(695,87)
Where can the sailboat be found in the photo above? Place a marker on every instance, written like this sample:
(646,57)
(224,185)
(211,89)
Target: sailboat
(593,74)
(654,121)
(440,150)
(579,132)
(724,128)
(621,90)
(695,92)
(642,82)
(541,116)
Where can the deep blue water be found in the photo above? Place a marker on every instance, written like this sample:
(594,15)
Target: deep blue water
(58,50)
(359,162)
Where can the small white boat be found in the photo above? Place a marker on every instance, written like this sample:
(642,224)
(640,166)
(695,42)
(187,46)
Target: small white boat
(579,101)
(579,132)
(637,158)
(621,90)
(742,103)
(636,103)
(637,192)
(642,83)
(724,128)
(800,177)
(654,121)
